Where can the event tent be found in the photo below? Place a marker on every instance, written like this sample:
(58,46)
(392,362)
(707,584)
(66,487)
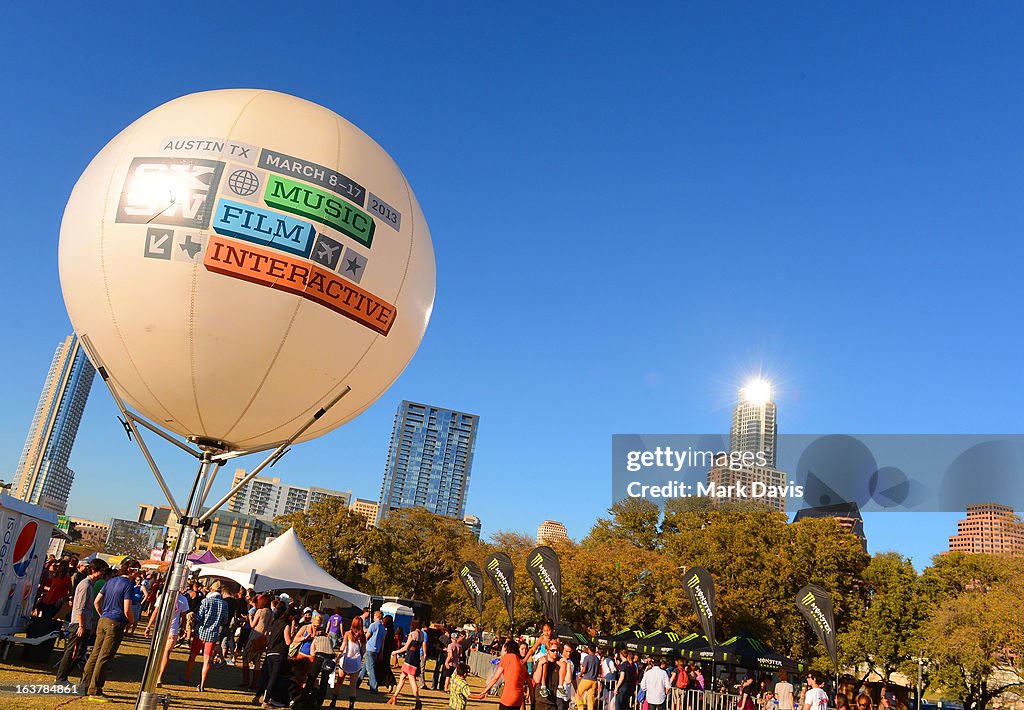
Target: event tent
(658,643)
(566,633)
(283,563)
(204,558)
(621,638)
(752,654)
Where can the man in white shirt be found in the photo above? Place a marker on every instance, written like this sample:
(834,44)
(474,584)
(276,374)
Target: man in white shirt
(816,698)
(784,691)
(656,685)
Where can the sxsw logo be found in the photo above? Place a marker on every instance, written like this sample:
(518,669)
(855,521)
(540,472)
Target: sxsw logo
(171,191)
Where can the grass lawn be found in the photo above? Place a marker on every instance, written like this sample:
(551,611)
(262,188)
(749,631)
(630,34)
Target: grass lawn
(125,675)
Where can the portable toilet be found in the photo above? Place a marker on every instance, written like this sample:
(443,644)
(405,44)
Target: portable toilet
(400,613)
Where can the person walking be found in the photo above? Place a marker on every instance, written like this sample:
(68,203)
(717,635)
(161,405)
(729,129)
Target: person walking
(413,649)
(180,608)
(260,619)
(335,627)
(210,619)
(784,691)
(512,671)
(452,658)
(353,650)
(385,675)
(459,692)
(625,682)
(113,605)
(656,686)
(374,644)
(279,638)
(590,674)
(83,621)
(566,679)
(440,651)
(547,677)
(816,698)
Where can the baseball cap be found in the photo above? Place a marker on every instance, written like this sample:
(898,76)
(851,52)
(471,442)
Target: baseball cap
(307,610)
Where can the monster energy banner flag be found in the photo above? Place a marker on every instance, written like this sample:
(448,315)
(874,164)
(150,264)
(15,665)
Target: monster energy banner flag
(701,589)
(816,606)
(503,576)
(473,579)
(546,573)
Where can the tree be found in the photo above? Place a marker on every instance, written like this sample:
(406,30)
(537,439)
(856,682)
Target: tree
(334,536)
(976,642)
(883,634)
(634,520)
(413,553)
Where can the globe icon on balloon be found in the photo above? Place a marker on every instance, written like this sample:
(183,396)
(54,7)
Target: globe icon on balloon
(243,182)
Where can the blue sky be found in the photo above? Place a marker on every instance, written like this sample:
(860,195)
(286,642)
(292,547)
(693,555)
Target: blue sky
(633,210)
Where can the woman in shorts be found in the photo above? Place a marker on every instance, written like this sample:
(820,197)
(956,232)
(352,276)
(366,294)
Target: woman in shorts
(351,651)
(411,667)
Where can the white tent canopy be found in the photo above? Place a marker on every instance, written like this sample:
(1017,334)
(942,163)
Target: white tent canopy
(283,563)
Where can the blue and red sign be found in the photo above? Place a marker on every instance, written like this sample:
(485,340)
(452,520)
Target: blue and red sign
(25,548)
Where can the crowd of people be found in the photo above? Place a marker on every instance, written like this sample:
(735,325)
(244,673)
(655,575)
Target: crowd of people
(293,655)
(551,674)
(288,655)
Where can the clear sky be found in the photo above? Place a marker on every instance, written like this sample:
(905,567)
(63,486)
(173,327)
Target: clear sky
(634,208)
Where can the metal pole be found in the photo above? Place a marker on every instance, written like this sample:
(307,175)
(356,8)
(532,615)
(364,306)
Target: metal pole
(148,698)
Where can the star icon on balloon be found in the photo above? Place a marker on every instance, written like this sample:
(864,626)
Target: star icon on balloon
(353,266)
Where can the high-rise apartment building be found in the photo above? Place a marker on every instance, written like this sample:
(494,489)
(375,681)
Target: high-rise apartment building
(429,460)
(754,431)
(989,528)
(268,498)
(754,426)
(43,476)
(551,532)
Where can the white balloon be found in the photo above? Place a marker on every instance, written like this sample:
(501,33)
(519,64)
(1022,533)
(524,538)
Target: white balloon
(238,257)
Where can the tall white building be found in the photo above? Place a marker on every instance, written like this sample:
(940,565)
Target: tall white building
(551,532)
(268,498)
(754,425)
(43,476)
(754,430)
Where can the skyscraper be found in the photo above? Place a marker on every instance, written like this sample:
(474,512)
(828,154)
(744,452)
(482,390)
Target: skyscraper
(754,427)
(429,460)
(43,476)
(754,431)
(990,528)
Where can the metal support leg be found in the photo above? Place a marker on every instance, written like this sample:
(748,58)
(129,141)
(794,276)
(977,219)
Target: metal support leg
(148,698)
